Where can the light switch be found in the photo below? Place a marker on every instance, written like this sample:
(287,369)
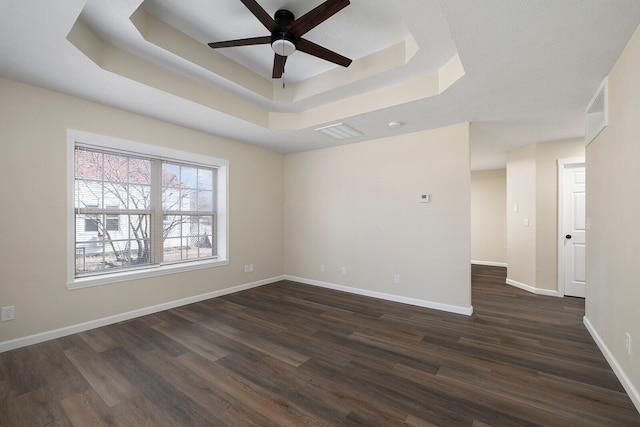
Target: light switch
(515,207)
(526,222)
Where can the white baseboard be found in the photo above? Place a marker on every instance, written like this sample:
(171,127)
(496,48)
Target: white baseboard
(489,263)
(92,324)
(532,289)
(468,311)
(633,393)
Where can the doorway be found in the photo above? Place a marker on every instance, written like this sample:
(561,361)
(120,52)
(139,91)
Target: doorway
(572,225)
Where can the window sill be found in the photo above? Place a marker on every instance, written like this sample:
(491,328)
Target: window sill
(124,276)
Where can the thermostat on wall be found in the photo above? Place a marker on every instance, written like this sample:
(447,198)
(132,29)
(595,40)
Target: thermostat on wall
(425,198)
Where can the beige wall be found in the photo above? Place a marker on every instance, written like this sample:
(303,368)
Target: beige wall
(521,191)
(33,125)
(489,216)
(613,203)
(357,206)
(547,155)
(532,184)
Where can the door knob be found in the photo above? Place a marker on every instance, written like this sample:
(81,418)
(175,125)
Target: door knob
(568,236)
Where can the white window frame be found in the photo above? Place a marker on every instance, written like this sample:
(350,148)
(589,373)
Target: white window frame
(221,215)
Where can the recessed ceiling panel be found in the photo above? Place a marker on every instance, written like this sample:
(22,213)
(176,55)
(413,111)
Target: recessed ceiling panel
(362,28)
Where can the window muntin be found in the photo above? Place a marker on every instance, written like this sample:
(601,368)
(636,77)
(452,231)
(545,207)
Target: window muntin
(140,215)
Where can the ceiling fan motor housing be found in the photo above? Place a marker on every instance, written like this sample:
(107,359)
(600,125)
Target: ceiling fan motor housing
(283,42)
(283,18)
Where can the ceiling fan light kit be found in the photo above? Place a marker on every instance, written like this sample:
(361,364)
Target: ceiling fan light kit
(286,33)
(283,44)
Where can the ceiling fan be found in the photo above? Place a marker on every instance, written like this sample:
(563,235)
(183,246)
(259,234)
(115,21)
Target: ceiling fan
(286,33)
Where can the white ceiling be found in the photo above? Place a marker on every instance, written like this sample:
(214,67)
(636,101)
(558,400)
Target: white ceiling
(530,67)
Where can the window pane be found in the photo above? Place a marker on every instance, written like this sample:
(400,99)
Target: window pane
(206,225)
(188,176)
(88,194)
(190,228)
(87,230)
(172,226)
(170,199)
(205,179)
(139,171)
(88,164)
(170,175)
(87,262)
(140,234)
(188,200)
(205,201)
(205,252)
(115,195)
(189,249)
(172,250)
(140,197)
(116,168)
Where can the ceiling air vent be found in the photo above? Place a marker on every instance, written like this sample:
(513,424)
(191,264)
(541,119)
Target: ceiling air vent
(339,131)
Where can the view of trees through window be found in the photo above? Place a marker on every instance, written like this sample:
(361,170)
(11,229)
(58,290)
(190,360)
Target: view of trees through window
(132,211)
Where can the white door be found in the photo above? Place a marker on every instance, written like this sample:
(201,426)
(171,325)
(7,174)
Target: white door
(574,225)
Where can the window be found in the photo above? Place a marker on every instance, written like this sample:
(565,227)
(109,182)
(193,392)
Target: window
(93,222)
(141,210)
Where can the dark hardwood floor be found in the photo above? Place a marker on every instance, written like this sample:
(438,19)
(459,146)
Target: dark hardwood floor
(288,354)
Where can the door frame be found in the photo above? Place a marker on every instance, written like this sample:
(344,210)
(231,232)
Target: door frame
(563,164)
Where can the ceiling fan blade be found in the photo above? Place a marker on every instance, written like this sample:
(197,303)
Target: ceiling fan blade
(241,42)
(278,66)
(261,14)
(316,16)
(322,52)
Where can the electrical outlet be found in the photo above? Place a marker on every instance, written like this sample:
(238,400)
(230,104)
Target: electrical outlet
(627,343)
(344,271)
(396,279)
(8,313)
(322,269)
(248,268)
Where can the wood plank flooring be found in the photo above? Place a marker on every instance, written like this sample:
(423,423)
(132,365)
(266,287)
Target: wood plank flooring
(289,354)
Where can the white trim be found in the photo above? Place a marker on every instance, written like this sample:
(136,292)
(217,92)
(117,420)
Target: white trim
(562,165)
(133,147)
(571,160)
(142,273)
(633,393)
(531,289)
(489,263)
(97,323)
(222,212)
(468,311)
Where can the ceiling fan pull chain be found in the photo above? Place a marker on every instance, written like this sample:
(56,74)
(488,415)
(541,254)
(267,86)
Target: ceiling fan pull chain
(283,74)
